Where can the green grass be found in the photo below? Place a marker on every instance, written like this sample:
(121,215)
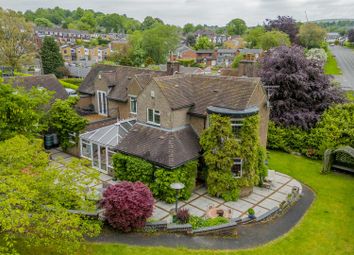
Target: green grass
(331,66)
(327,228)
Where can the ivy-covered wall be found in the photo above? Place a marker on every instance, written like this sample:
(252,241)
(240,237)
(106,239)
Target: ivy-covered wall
(129,168)
(221,147)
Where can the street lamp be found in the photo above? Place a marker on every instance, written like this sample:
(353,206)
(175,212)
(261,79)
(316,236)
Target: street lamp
(177,186)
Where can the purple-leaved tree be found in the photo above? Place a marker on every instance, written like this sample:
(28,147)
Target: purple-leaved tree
(304,92)
(127,205)
(351,35)
(285,24)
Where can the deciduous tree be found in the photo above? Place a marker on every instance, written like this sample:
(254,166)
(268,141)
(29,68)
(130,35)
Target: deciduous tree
(304,92)
(284,24)
(35,199)
(273,39)
(311,35)
(16,39)
(203,43)
(236,27)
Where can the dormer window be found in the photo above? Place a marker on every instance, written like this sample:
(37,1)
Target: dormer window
(133,104)
(153,117)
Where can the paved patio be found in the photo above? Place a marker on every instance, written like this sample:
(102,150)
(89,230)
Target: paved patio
(261,200)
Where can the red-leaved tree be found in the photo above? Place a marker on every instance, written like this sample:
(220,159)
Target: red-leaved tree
(127,205)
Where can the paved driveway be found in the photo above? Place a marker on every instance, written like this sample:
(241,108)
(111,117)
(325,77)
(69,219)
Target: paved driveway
(345,59)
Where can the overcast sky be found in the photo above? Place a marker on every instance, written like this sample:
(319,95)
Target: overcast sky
(211,12)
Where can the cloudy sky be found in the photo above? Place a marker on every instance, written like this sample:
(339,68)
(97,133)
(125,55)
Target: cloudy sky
(211,12)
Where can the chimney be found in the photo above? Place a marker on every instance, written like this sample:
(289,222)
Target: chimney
(172,67)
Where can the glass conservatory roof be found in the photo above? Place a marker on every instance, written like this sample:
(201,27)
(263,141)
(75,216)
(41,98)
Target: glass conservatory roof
(111,135)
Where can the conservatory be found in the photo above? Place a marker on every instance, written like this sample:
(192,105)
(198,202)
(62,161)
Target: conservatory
(99,145)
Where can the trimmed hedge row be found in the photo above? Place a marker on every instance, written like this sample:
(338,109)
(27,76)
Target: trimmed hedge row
(129,168)
(333,130)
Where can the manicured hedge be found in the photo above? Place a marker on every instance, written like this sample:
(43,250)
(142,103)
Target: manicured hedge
(74,81)
(333,130)
(129,168)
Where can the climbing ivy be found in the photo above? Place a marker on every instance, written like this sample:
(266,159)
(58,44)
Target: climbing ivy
(129,168)
(221,147)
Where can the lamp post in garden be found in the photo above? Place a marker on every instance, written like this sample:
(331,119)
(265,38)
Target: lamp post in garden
(177,186)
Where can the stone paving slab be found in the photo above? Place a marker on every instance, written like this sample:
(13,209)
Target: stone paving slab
(234,213)
(269,203)
(201,191)
(168,207)
(253,198)
(193,210)
(277,196)
(262,192)
(259,211)
(159,213)
(285,189)
(239,205)
(203,202)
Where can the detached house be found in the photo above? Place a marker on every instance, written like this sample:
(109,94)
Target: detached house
(160,116)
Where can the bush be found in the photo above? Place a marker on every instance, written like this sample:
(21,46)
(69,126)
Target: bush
(251,211)
(183,216)
(74,81)
(185,174)
(199,222)
(127,205)
(128,168)
(334,129)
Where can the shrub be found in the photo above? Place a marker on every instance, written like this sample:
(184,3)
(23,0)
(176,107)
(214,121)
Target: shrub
(183,216)
(129,168)
(185,174)
(199,222)
(127,205)
(68,85)
(74,81)
(317,54)
(251,211)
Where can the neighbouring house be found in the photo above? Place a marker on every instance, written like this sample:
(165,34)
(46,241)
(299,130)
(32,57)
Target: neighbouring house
(47,81)
(332,37)
(207,57)
(250,54)
(184,52)
(61,35)
(67,52)
(235,42)
(164,115)
(225,57)
(183,69)
(217,39)
(99,53)
(247,68)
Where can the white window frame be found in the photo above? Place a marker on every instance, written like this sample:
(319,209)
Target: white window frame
(136,104)
(238,161)
(153,122)
(102,107)
(88,143)
(236,124)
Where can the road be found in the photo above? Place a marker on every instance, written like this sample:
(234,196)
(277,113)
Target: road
(345,59)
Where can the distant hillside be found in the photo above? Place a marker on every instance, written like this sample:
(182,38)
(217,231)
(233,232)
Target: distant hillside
(336,25)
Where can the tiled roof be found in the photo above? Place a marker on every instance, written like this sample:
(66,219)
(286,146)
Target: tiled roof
(48,81)
(201,91)
(119,77)
(250,51)
(166,148)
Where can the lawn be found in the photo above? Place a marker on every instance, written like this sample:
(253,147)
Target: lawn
(327,228)
(331,66)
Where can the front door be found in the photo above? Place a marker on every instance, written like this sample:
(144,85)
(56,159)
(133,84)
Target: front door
(102,102)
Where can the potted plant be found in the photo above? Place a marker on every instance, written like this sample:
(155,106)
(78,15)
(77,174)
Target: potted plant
(251,213)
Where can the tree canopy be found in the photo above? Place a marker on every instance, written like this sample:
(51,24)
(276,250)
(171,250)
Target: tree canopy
(51,58)
(304,92)
(35,199)
(311,35)
(351,35)
(273,39)
(236,27)
(16,39)
(284,24)
(203,43)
